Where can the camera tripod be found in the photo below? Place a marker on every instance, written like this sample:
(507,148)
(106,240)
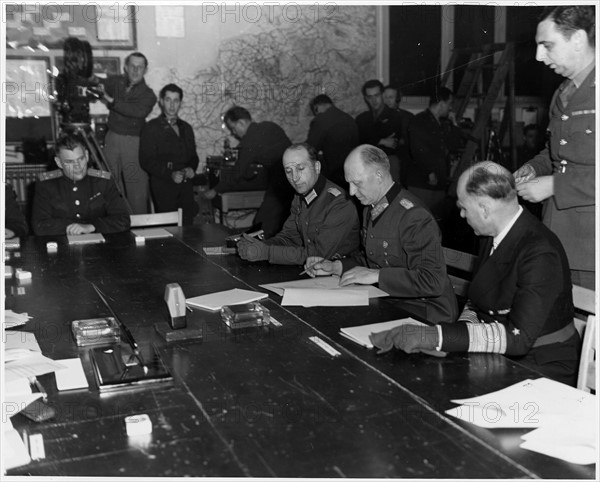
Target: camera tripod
(85,131)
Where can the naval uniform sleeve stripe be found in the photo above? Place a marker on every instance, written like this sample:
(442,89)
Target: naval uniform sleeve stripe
(487,337)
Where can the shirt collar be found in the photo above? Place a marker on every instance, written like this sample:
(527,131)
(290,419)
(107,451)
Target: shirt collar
(498,238)
(581,76)
(317,189)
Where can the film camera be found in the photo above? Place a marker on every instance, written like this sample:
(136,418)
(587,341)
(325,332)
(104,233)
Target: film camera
(76,86)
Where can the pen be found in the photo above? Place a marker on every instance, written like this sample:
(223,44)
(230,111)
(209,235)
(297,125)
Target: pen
(306,270)
(188,308)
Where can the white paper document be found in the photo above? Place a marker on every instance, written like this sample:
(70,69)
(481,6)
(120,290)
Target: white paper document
(565,419)
(14,451)
(322,283)
(215,301)
(91,238)
(360,334)
(12,319)
(151,233)
(17,395)
(28,365)
(308,297)
(72,376)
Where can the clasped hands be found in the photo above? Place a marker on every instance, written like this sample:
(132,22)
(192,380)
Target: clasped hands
(182,175)
(317,266)
(77,228)
(531,187)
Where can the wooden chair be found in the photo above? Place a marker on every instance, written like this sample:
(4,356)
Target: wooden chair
(458,261)
(171,218)
(584,301)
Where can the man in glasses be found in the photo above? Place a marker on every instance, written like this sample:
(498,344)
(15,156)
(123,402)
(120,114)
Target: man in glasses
(74,199)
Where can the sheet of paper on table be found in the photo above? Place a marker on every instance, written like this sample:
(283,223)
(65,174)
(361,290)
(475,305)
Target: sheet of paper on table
(308,297)
(12,319)
(566,419)
(322,283)
(14,452)
(215,301)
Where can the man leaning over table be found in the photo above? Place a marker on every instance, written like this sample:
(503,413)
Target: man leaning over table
(520,299)
(323,220)
(74,199)
(401,242)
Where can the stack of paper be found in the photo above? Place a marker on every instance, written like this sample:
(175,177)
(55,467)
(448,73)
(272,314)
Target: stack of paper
(215,301)
(565,419)
(151,233)
(91,238)
(12,319)
(323,291)
(14,451)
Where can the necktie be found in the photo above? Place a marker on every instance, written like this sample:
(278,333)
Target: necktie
(566,93)
(173,124)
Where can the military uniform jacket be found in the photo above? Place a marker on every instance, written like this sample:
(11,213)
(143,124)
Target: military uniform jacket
(570,157)
(162,151)
(404,243)
(95,200)
(322,223)
(525,286)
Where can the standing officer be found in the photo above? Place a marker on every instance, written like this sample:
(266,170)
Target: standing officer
(563,174)
(168,154)
(75,199)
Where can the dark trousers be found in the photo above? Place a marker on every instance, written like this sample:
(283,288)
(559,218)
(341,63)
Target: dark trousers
(169,196)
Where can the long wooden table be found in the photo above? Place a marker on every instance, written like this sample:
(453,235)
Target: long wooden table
(265,402)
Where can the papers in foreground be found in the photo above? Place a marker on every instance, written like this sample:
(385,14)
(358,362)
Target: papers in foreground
(565,419)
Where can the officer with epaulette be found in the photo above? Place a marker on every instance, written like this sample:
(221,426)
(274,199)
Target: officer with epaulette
(74,199)
(323,220)
(402,246)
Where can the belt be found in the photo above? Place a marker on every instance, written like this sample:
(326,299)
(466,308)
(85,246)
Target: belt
(557,336)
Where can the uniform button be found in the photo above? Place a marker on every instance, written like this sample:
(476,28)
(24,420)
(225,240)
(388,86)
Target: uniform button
(562,142)
(371,236)
(74,188)
(308,240)
(78,215)
(564,117)
(491,312)
(370,252)
(77,202)
(385,254)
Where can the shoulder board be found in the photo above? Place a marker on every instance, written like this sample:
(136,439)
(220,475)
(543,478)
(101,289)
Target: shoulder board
(46,176)
(334,191)
(98,173)
(406,204)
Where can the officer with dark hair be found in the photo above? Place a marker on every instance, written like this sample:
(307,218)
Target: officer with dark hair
(168,154)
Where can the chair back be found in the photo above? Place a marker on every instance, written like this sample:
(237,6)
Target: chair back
(157,219)
(584,301)
(461,263)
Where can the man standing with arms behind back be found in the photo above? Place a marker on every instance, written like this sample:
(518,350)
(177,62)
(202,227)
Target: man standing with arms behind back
(129,101)
(563,174)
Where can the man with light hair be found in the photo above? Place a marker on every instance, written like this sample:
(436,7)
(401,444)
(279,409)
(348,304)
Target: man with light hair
(401,242)
(520,299)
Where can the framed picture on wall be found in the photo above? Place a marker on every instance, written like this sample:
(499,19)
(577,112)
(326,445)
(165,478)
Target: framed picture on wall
(48,25)
(103,66)
(28,93)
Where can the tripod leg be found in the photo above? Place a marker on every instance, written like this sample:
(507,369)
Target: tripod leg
(99,159)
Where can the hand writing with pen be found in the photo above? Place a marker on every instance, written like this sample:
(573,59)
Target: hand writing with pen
(317,266)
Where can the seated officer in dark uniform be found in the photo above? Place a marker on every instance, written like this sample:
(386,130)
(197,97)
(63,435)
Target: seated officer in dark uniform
(75,199)
(401,242)
(323,220)
(520,299)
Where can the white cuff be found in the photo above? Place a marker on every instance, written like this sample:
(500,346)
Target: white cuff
(440,338)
